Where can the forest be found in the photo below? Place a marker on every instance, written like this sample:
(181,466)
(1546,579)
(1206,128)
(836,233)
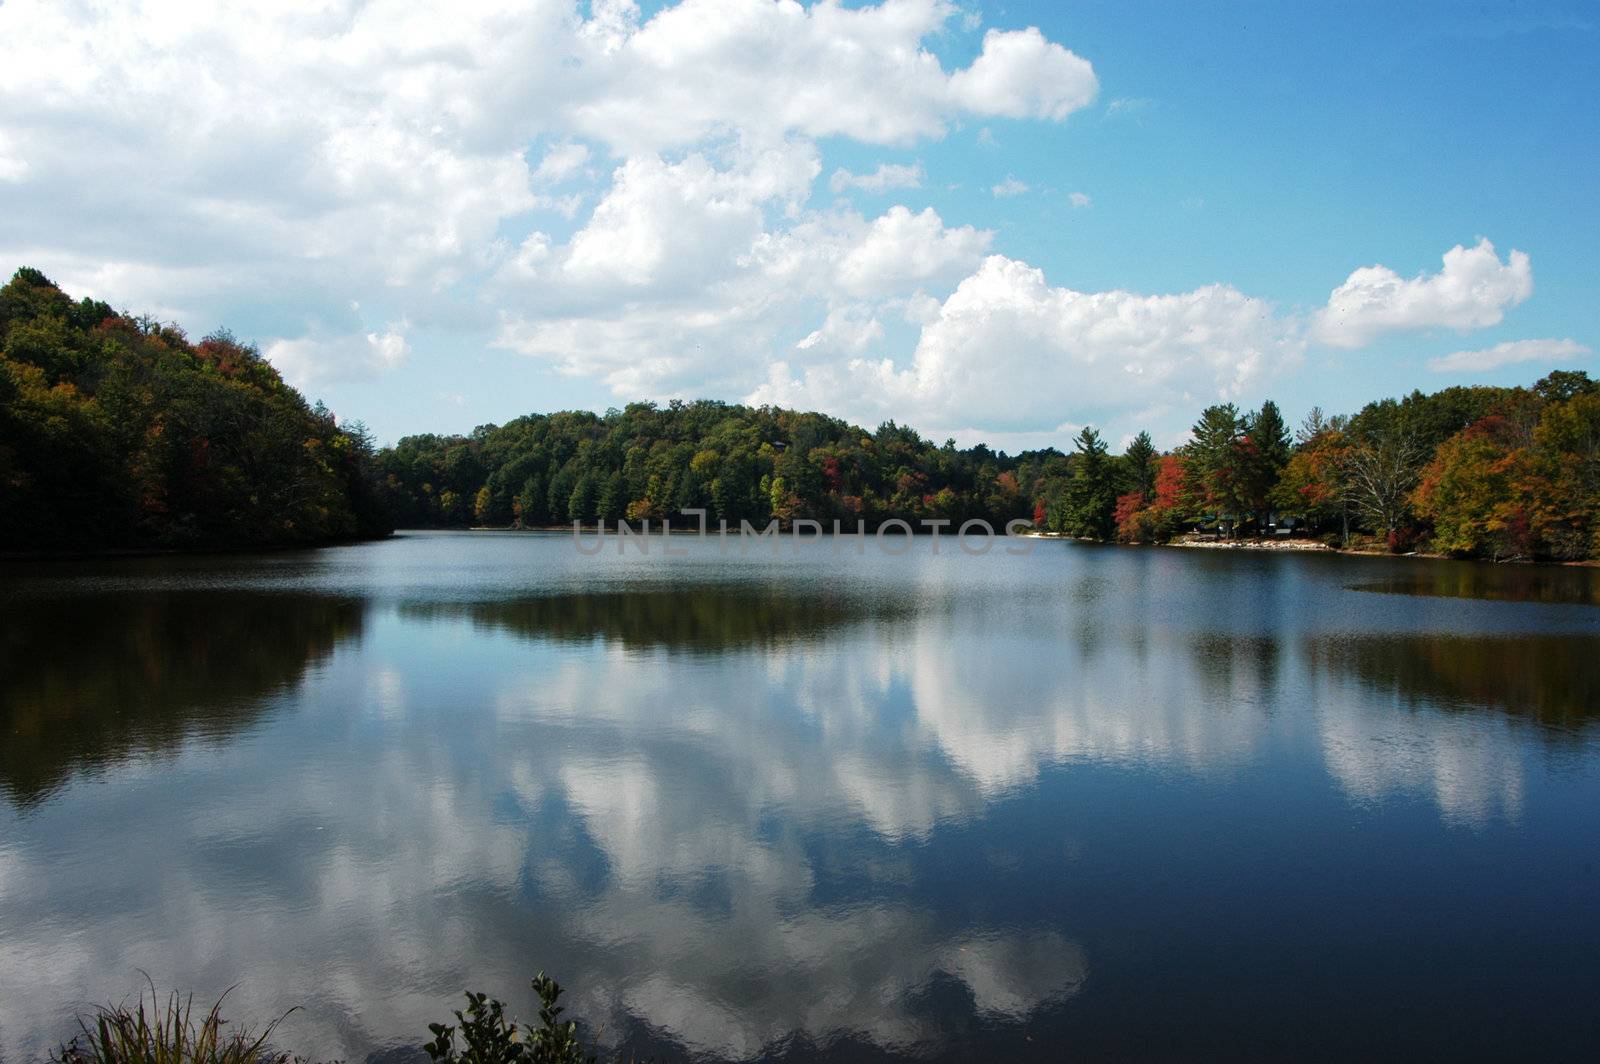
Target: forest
(1499,473)
(117,431)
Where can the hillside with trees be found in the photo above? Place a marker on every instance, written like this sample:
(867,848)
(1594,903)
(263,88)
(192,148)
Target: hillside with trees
(118,432)
(1487,472)
(648,462)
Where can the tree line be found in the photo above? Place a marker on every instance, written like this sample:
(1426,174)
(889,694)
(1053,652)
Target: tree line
(1480,471)
(1503,473)
(118,431)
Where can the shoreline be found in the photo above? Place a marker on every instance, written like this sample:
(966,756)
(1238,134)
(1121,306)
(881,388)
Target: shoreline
(1305,546)
(1292,546)
(1262,545)
(1311,546)
(113,553)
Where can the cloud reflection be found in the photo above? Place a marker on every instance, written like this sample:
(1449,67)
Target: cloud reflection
(705,810)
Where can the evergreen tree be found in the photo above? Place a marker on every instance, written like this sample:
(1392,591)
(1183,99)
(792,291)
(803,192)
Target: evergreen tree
(1214,466)
(1139,466)
(530,505)
(559,495)
(1092,492)
(1264,453)
(612,503)
(581,503)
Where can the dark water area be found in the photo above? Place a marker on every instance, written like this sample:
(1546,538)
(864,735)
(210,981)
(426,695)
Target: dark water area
(1092,802)
(1508,583)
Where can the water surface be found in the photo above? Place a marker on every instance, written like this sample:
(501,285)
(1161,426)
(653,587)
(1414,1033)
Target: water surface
(1150,804)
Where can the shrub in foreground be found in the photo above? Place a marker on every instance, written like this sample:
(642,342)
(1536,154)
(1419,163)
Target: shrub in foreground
(489,1038)
(169,1032)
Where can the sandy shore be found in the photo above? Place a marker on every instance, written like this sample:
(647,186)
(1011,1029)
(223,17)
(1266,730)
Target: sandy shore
(1252,544)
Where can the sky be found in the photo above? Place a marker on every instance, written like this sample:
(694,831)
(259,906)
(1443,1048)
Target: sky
(993,222)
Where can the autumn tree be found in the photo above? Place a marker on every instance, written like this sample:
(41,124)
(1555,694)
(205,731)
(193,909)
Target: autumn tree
(1565,481)
(1157,518)
(1314,483)
(119,431)
(1476,492)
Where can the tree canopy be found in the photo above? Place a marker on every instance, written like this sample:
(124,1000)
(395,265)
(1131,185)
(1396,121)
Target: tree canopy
(118,431)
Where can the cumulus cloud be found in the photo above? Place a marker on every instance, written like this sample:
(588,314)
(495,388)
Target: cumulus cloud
(1022,75)
(686,219)
(1473,290)
(885,177)
(1079,200)
(1009,187)
(381,151)
(314,360)
(1510,353)
(395,156)
(1008,349)
(851,328)
(705,65)
(681,283)
(901,250)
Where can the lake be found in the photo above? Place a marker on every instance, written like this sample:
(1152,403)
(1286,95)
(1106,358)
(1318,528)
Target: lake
(1093,801)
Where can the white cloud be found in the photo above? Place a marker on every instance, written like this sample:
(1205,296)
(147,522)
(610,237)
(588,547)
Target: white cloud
(1473,290)
(377,152)
(658,297)
(1079,200)
(1013,442)
(1022,75)
(1510,353)
(901,251)
(851,329)
(561,162)
(1009,187)
(702,66)
(1009,350)
(316,359)
(885,177)
(391,154)
(683,222)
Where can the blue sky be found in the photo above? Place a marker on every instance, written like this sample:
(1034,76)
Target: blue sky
(437,220)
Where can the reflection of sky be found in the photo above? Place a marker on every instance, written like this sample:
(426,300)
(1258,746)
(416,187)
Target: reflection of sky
(1471,766)
(726,849)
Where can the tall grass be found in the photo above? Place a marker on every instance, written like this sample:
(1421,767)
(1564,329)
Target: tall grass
(167,1032)
(170,1032)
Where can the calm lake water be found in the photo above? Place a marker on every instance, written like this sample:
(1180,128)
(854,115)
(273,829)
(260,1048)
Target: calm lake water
(1084,802)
